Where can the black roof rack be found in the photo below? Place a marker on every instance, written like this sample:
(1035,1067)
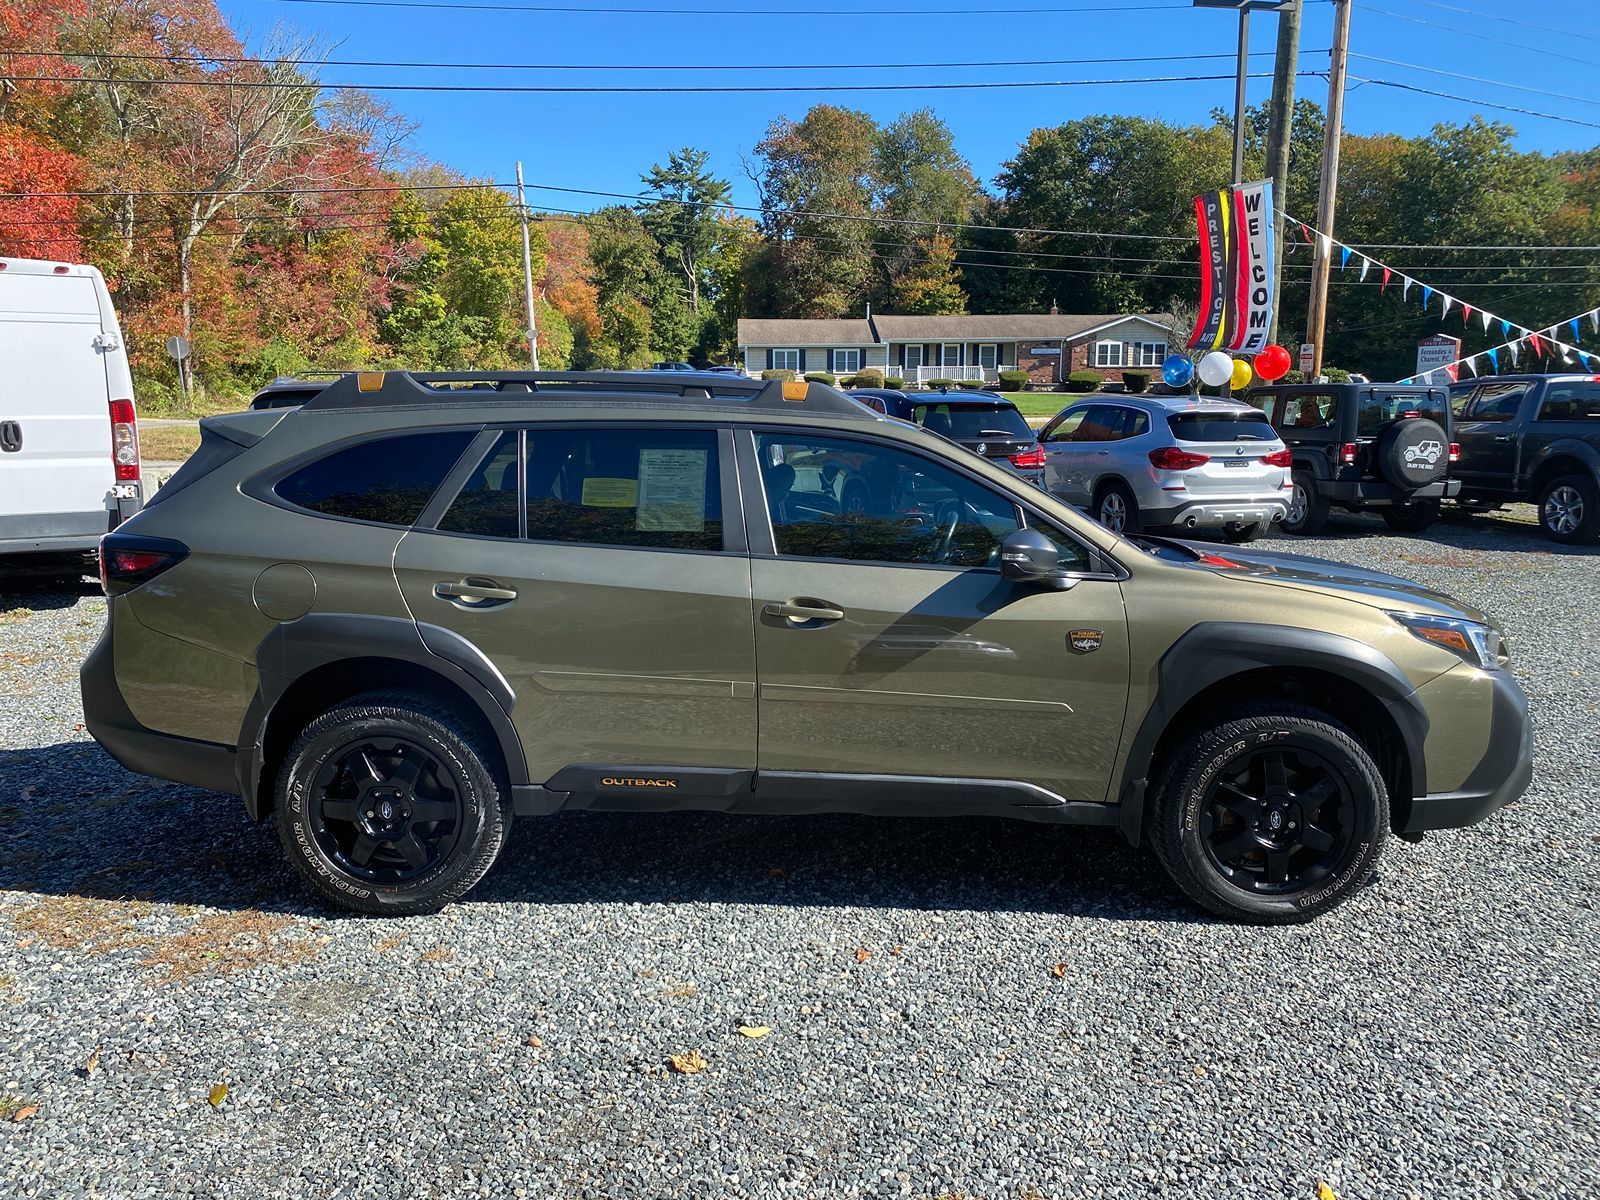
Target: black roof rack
(394,389)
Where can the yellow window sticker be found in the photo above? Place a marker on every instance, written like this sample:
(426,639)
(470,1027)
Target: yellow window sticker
(601,492)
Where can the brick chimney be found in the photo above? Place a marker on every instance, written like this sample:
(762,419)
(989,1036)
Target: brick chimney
(1054,310)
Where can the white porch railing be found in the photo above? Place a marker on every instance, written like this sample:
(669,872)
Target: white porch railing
(924,374)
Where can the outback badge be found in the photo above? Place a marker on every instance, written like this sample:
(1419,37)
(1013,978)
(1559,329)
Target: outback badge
(1085,641)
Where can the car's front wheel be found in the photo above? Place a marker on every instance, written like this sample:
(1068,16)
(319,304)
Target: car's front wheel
(1272,816)
(388,804)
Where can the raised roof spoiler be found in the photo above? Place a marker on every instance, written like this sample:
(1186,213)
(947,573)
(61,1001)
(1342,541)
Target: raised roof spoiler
(395,389)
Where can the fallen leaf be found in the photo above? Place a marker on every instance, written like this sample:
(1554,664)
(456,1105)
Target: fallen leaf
(863,954)
(535,1042)
(1324,1192)
(218,1093)
(898,951)
(26,1111)
(691,1063)
(24,943)
(1200,1072)
(1059,970)
(755,1031)
(78,728)
(93,1065)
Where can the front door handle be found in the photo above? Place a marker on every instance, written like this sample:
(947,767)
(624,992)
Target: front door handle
(1502,437)
(804,610)
(474,593)
(10,436)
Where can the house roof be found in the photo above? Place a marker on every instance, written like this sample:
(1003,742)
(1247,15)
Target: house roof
(997,327)
(1007,327)
(774,332)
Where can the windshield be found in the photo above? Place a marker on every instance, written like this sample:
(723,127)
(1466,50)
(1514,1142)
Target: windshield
(1378,408)
(1222,427)
(967,421)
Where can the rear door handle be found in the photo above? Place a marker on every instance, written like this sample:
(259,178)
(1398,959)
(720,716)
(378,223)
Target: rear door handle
(474,593)
(804,610)
(10,436)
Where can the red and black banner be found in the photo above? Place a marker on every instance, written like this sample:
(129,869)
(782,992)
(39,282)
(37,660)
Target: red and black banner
(1236,248)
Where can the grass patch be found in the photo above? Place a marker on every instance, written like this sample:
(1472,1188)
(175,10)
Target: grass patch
(82,923)
(1040,404)
(168,443)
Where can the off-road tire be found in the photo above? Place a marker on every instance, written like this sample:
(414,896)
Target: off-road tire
(1131,523)
(1587,528)
(438,731)
(1200,759)
(1411,518)
(1314,513)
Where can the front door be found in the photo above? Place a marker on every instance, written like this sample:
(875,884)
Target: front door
(1485,431)
(1062,455)
(888,644)
(611,589)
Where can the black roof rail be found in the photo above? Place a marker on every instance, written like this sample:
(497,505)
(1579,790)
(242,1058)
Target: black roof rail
(394,389)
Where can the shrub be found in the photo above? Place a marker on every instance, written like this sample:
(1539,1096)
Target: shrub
(1013,381)
(775,374)
(820,377)
(867,377)
(1136,381)
(940,385)
(894,381)
(1336,374)
(970,385)
(1084,381)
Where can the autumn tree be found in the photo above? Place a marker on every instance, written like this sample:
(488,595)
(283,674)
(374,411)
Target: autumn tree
(931,287)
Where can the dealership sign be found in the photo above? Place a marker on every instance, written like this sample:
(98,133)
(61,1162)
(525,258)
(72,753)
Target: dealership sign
(1438,353)
(1236,249)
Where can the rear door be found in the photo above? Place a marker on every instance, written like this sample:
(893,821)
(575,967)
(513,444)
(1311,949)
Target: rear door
(1236,444)
(55,470)
(611,589)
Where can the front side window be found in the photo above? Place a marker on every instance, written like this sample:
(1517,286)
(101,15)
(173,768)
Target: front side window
(1571,402)
(387,480)
(1150,354)
(786,360)
(1495,402)
(846,362)
(1064,427)
(1108,354)
(845,499)
(653,488)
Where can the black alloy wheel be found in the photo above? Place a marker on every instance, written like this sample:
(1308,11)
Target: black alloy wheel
(1277,821)
(385,809)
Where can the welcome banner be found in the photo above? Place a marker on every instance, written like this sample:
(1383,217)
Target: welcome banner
(1236,252)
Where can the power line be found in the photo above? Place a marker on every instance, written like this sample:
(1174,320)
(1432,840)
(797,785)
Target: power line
(1482,37)
(1389,62)
(1527,112)
(746,13)
(674,89)
(1473,12)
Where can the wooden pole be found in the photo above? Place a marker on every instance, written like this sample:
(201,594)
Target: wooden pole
(1322,263)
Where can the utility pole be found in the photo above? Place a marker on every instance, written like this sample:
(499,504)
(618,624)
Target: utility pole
(1280,129)
(527,274)
(1238,95)
(1322,263)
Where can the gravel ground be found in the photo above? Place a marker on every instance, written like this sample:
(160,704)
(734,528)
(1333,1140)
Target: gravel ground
(957,1008)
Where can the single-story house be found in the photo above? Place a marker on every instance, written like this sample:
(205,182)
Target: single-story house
(1047,346)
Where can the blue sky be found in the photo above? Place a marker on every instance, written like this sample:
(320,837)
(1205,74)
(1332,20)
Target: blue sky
(606,141)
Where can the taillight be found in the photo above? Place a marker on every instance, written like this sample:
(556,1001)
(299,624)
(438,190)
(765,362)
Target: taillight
(1170,458)
(1279,458)
(1029,459)
(1347,454)
(127,560)
(125,441)
(1455,451)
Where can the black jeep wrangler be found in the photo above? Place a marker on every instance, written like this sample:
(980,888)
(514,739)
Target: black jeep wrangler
(1386,447)
(1534,438)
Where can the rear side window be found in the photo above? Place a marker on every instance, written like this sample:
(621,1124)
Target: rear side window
(1378,408)
(387,480)
(1221,427)
(654,488)
(1308,410)
(1571,402)
(487,503)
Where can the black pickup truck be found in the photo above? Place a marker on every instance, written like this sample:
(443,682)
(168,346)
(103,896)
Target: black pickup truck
(1534,438)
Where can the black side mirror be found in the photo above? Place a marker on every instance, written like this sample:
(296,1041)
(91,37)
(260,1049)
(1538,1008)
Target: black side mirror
(1027,556)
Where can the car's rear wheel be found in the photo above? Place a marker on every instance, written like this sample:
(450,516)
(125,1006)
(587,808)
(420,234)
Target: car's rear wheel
(1413,517)
(1117,510)
(1569,510)
(1272,816)
(389,804)
(1308,509)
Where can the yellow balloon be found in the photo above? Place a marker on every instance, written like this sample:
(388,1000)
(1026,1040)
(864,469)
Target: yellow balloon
(1242,374)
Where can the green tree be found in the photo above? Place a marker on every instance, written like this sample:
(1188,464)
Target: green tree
(920,182)
(682,217)
(625,265)
(931,287)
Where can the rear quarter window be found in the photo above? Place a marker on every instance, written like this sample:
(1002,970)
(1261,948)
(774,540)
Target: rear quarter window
(387,480)
(1571,402)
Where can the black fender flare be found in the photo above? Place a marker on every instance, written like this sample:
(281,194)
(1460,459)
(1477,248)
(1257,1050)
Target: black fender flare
(1214,651)
(295,648)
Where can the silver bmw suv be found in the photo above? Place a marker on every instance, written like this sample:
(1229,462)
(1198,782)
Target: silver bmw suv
(1139,463)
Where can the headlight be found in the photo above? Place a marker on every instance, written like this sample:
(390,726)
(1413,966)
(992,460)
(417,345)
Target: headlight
(1469,641)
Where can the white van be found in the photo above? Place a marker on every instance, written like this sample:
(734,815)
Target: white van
(69,444)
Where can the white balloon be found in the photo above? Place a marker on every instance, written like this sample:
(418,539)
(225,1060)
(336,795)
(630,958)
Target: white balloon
(1216,368)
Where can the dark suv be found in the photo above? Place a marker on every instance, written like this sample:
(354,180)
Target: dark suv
(1383,447)
(984,422)
(1534,438)
(417,608)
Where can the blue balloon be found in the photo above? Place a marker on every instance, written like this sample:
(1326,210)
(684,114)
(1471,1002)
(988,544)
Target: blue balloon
(1177,370)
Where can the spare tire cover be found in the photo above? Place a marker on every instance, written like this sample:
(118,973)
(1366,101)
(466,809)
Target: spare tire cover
(1413,453)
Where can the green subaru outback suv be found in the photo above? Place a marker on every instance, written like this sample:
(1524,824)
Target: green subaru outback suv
(419,606)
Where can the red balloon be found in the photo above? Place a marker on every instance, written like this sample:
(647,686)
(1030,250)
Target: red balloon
(1272,363)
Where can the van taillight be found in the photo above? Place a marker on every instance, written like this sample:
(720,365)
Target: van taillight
(127,560)
(125,441)
(1347,454)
